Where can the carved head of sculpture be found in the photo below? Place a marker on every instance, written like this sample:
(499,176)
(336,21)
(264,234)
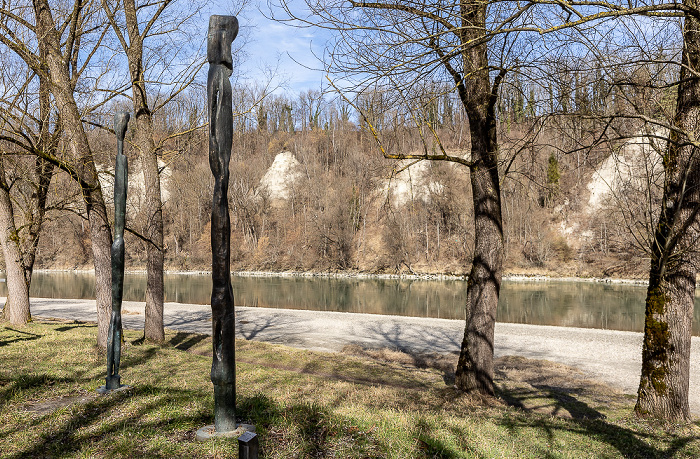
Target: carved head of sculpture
(121,120)
(222,32)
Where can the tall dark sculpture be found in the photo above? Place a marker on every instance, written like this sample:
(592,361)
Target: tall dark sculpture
(114,338)
(222,32)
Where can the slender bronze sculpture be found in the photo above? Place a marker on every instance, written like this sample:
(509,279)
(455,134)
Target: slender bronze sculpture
(114,338)
(222,32)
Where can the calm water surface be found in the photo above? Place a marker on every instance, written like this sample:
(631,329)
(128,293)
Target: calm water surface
(572,304)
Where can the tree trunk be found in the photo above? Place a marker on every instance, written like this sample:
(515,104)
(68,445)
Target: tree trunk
(43,173)
(20,252)
(153,221)
(664,384)
(17,304)
(153,211)
(153,327)
(84,170)
(475,366)
(101,241)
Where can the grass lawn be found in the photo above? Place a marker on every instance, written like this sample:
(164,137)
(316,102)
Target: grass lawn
(356,404)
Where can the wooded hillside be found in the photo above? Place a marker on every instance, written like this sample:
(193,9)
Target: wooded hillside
(336,204)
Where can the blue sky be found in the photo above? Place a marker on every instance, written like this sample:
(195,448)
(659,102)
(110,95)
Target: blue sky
(277,45)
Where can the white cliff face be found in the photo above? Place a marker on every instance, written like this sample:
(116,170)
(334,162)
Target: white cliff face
(602,182)
(411,182)
(630,168)
(282,176)
(136,188)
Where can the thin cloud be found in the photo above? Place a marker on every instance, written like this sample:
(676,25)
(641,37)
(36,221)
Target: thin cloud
(272,45)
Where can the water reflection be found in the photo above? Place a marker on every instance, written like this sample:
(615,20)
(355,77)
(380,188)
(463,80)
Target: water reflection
(571,304)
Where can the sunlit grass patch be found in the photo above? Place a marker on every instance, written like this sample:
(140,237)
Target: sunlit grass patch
(356,404)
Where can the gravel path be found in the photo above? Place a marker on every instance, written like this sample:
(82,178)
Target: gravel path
(613,357)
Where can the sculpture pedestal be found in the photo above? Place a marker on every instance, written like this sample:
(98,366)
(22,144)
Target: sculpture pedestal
(209,432)
(104,390)
(113,382)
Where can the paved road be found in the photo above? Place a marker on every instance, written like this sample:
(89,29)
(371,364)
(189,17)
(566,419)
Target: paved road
(610,356)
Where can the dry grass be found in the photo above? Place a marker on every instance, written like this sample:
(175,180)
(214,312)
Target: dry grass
(357,404)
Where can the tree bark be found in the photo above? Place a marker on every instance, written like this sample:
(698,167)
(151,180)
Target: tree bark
(20,252)
(153,208)
(43,173)
(153,327)
(664,383)
(16,308)
(84,170)
(475,365)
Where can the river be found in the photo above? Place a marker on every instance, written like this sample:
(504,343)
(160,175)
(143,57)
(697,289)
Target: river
(563,303)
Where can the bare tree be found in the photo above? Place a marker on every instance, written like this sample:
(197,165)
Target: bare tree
(637,105)
(30,135)
(54,43)
(398,50)
(668,228)
(663,388)
(405,46)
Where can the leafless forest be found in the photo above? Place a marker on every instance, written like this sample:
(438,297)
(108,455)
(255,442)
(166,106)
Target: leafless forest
(467,137)
(578,160)
(339,205)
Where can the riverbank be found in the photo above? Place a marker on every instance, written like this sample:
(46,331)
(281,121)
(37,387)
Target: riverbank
(360,275)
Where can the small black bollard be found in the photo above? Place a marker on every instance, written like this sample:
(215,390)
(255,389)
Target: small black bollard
(248,446)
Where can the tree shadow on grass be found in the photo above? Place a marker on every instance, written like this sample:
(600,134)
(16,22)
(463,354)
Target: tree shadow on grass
(22,336)
(315,430)
(105,422)
(99,426)
(428,443)
(426,348)
(554,401)
(24,382)
(561,401)
(185,341)
(130,360)
(550,388)
(72,325)
(628,443)
(557,391)
(318,432)
(311,429)
(388,377)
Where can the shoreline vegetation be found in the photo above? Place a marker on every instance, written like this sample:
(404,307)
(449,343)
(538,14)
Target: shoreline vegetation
(510,277)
